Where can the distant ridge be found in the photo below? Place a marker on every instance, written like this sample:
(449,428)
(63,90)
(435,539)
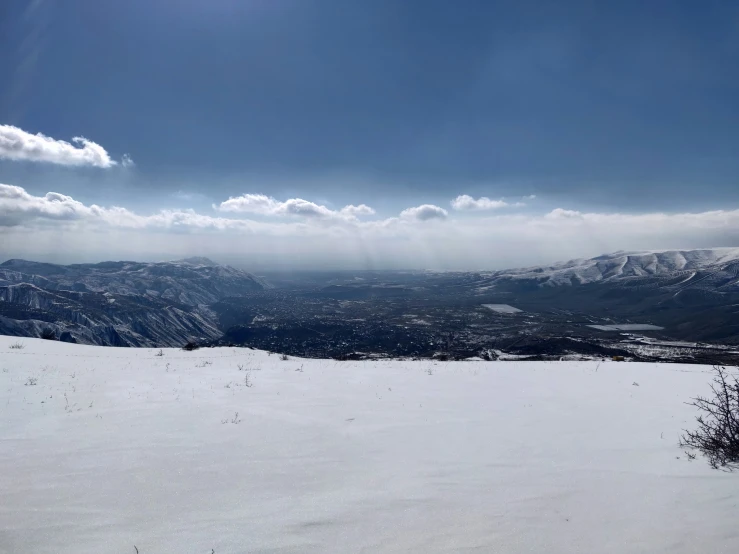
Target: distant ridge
(622,265)
(121,303)
(196,260)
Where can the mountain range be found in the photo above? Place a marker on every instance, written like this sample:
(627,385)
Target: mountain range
(694,294)
(680,264)
(118,303)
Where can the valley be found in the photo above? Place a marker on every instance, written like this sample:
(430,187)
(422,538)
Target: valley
(664,306)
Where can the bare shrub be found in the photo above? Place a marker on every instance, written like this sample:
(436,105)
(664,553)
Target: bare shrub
(284,357)
(32,381)
(17,346)
(717,436)
(160,353)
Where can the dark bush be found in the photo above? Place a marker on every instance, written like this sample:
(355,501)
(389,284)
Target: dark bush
(190,346)
(48,334)
(717,436)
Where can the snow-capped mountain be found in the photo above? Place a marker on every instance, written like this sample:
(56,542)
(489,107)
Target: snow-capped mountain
(625,265)
(694,294)
(118,303)
(191,281)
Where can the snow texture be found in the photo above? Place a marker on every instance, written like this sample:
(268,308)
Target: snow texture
(104,449)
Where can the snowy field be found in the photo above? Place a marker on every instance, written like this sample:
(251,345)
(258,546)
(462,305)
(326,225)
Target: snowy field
(104,449)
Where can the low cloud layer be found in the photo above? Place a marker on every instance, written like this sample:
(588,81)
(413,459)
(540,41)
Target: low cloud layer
(361,210)
(425,212)
(65,229)
(19,145)
(18,208)
(465,202)
(266,205)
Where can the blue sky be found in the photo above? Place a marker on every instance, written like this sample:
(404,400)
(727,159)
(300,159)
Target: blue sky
(626,108)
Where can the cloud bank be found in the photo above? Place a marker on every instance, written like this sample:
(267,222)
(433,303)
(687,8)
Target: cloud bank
(19,145)
(362,209)
(465,202)
(424,213)
(19,208)
(65,229)
(266,205)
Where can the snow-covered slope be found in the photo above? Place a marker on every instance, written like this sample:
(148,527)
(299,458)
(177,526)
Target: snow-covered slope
(191,281)
(621,265)
(118,303)
(104,449)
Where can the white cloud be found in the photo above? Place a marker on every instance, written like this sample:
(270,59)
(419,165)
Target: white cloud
(424,213)
(298,206)
(126,161)
(362,209)
(63,226)
(249,203)
(15,202)
(18,207)
(16,144)
(559,213)
(466,202)
(530,197)
(267,205)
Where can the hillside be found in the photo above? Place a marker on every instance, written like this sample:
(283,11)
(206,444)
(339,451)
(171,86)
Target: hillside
(572,308)
(191,281)
(624,265)
(110,449)
(118,303)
